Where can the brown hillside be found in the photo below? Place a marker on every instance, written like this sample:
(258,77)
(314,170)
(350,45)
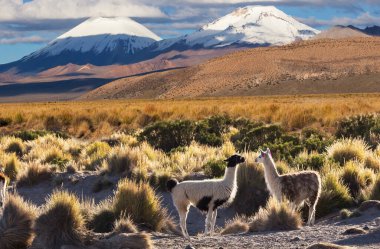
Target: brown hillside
(340,32)
(318,66)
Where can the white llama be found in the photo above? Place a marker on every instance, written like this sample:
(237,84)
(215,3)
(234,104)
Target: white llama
(206,195)
(298,188)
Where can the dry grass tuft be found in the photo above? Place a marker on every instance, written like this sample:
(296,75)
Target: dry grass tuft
(124,225)
(139,201)
(34,174)
(375,193)
(13,145)
(12,166)
(346,150)
(236,226)
(356,178)
(276,216)
(372,161)
(61,222)
(16,224)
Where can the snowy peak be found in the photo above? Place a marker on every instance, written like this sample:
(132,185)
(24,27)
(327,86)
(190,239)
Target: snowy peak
(110,26)
(260,25)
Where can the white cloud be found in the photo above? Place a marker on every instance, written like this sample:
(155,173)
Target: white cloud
(16,10)
(28,39)
(363,20)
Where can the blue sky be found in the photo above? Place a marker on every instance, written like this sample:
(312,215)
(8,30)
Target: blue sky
(28,25)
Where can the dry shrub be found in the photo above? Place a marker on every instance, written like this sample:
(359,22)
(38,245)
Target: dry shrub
(102,217)
(335,195)
(276,216)
(35,173)
(346,150)
(124,225)
(375,193)
(372,161)
(61,222)
(12,166)
(139,201)
(121,160)
(236,226)
(252,192)
(16,224)
(96,153)
(13,145)
(356,178)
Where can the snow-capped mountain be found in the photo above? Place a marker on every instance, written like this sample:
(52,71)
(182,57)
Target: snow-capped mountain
(121,40)
(98,41)
(251,25)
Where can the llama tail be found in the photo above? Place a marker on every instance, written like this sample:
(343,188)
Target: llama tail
(171,184)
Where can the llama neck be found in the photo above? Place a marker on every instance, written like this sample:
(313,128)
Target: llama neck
(230,176)
(270,171)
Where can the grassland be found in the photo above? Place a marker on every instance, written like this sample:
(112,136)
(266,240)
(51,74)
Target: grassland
(102,118)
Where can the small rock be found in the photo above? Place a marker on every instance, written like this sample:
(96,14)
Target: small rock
(354,230)
(327,246)
(295,239)
(366,228)
(189,247)
(369,204)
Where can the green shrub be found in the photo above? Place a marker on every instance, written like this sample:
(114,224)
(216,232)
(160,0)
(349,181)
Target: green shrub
(335,195)
(215,168)
(345,150)
(276,216)
(209,131)
(168,135)
(140,203)
(359,126)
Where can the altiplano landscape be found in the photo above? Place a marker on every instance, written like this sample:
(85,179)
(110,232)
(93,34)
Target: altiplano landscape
(189,124)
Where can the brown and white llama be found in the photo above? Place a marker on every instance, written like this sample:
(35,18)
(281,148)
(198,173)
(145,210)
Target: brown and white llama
(299,188)
(3,188)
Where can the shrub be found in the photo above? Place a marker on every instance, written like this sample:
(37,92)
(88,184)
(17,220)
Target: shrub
(215,168)
(124,225)
(16,224)
(14,145)
(168,135)
(346,150)
(235,226)
(159,180)
(356,178)
(375,193)
(35,173)
(314,140)
(121,160)
(12,167)
(209,131)
(29,135)
(313,161)
(252,189)
(282,167)
(96,153)
(357,126)
(61,222)
(372,161)
(335,195)
(139,201)
(52,123)
(102,218)
(55,156)
(5,122)
(276,216)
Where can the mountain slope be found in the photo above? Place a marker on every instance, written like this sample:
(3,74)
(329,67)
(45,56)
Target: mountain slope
(341,32)
(98,41)
(317,66)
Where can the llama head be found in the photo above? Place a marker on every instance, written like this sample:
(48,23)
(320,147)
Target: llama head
(263,155)
(234,160)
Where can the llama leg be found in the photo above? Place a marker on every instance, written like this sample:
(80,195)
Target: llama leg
(208,221)
(213,221)
(182,211)
(312,208)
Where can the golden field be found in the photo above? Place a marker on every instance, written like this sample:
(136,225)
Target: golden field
(102,118)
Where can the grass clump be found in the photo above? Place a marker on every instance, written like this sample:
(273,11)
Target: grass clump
(335,195)
(276,216)
(372,161)
(235,226)
(356,178)
(102,218)
(252,192)
(215,168)
(13,145)
(35,173)
(124,225)
(96,153)
(375,193)
(346,150)
(16,224)
(121,160)
(61,222)
(312,161)
(12,166)
(140,203)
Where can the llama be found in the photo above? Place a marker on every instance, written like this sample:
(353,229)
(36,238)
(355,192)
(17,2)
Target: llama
(206,195)
(3,188)
(298,188)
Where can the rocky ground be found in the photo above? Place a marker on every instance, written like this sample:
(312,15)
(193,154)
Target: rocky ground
(331,229)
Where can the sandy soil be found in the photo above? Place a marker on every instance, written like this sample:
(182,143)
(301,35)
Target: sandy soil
(327,230)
